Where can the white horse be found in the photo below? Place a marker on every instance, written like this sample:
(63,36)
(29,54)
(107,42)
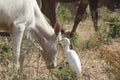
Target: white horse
(19,17)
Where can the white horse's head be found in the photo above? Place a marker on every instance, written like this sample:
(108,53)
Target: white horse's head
(47,38)
(51,48)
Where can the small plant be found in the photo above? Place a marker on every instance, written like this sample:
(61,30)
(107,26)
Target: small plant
(74,40)
(64,72)
(103,37)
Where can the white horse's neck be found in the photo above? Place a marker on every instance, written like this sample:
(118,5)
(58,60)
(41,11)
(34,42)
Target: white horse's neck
(42,31)
(42,24)
(66,48)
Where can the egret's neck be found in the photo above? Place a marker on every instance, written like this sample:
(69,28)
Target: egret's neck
(67,48)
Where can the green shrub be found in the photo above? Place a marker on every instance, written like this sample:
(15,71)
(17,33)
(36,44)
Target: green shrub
(63,14)
(112,19)
(114,26)
(5,52)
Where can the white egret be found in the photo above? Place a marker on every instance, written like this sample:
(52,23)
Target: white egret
(72,57)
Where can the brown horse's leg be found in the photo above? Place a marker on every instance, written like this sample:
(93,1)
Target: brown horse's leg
(48,8)
(94,12)
(80,12)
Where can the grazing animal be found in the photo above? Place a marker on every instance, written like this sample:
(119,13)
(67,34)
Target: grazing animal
(49,6)
(19,17)
(48,9)
(72,57)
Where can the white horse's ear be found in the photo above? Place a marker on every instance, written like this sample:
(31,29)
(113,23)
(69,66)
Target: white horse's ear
(57,28)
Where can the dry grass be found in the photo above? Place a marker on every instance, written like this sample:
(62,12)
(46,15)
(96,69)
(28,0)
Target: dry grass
(111,56)
(94,60)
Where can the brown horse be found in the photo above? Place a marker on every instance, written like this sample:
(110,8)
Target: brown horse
(48,8)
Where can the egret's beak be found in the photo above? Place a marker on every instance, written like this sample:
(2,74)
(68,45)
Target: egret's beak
(59,42)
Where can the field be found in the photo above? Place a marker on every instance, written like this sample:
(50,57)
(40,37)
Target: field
(99,52)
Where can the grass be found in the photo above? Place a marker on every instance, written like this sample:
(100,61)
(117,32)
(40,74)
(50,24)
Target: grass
(66,16)
(5,53)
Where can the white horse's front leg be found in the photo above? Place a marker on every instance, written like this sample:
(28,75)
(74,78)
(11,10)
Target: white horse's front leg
(18,31)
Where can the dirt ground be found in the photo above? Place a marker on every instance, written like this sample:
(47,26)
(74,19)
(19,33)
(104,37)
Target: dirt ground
(93,66)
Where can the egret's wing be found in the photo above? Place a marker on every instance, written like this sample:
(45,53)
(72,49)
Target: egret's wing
(73,59)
